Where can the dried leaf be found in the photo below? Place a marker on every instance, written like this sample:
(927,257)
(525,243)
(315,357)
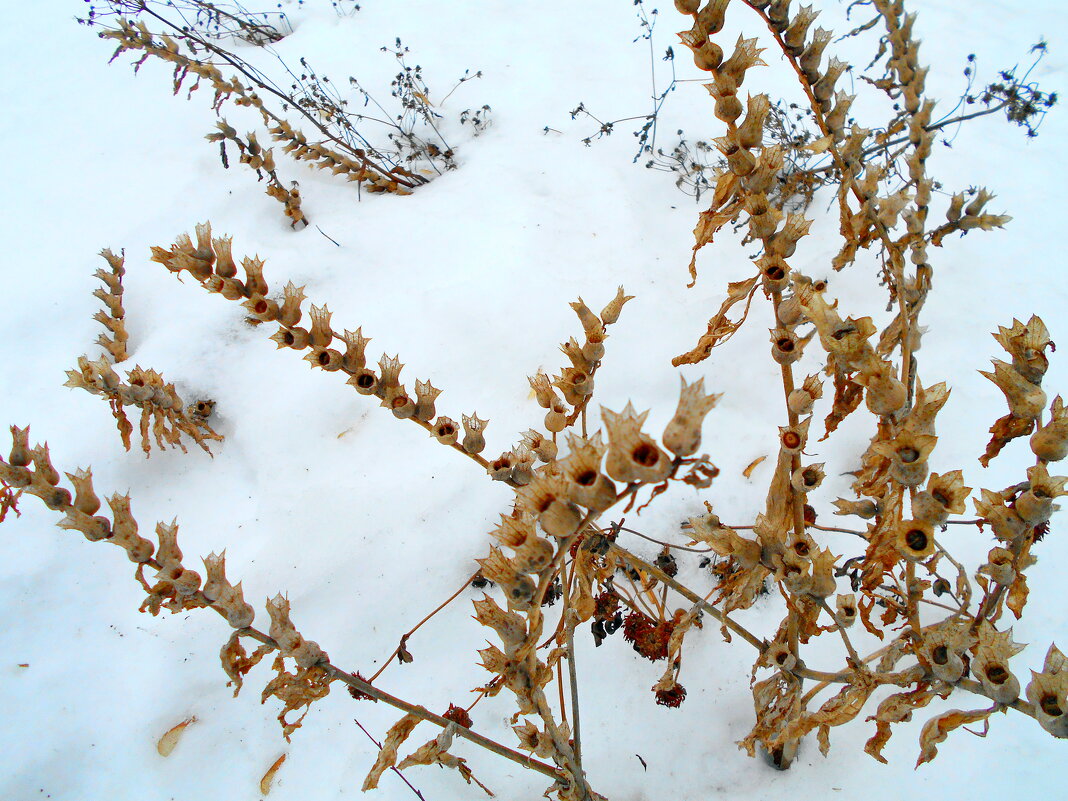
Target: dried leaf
(387,757)
(895,708)
(720,328)
(748,472)
(847,397)
(1017,597)
(170,738)
(268,777)
(938,728)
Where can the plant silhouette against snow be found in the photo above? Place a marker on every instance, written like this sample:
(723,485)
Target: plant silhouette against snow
(944,629)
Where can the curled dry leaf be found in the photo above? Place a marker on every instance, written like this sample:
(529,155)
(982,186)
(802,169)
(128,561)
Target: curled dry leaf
(938,728)
(170,738)
(387,757)
(748,472)
(268,777)
(720,327)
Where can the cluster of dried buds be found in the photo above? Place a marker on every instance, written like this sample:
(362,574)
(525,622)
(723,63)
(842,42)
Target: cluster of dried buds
(164,415)
(112,316)
(260,158)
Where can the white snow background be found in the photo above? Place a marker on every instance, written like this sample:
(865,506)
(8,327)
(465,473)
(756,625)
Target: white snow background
(364,522)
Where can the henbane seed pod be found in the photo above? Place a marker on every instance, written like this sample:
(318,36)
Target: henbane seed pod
(474,441)
(85,500)
(1050,442)
(682,436)
(425,395)
(632,455)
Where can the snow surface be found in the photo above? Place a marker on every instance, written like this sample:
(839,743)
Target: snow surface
(365,525)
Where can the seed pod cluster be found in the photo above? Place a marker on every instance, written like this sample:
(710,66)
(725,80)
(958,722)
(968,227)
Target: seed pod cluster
(112,317)
(1021,382)
(212,264)
(164,415)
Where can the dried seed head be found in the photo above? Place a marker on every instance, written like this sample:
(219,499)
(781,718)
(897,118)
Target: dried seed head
(1050,442)
(293,296)
(1026,400)
(846,606)
(545,449)
(949,491)
(389,374)
(254,281)
(425,395)
(474,441)
(914,539)
(547,497)
(543,390)
(1048,691)
(556,417)
(85,499)
(20,447)
(864,509)
(43,471)
(708,56)
(355,357)
(929,401)
(591,323)
(534,555)
(682,436)
(944,648)
(320,335)
(800,400)
(728,107)
(885,395)
(587,486)
(812,53)
(445,431)
(1007,525)
(295,338)
(778,656)
(632,455)
(787,347)
(908,454)
(806,479)
(262,308)
(1035,505)
(575,385)
(710,18)
(792,439)
(991,663)
(224,260)
(746,55)
(999,566)
(365,381)
(1026,344)
(610,313)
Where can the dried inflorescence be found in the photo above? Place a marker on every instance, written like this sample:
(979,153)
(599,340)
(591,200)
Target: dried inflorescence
(550,545)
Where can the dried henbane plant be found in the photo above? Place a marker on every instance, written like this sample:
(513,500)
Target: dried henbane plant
(558,552)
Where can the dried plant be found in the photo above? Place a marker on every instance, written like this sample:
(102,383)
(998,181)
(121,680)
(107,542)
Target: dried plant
(192,37)
(943,627)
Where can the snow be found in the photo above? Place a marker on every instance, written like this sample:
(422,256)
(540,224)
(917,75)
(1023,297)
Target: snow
(360,520)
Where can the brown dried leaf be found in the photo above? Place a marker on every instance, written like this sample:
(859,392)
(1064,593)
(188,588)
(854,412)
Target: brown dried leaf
(847,397)
(748,472)
(170,738)
(387,757)
(268,777)
(895,708)
(236,662)
(938,728)
(437,752)
(296,690)
(720,328)
(1017,596)
(1005,430)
